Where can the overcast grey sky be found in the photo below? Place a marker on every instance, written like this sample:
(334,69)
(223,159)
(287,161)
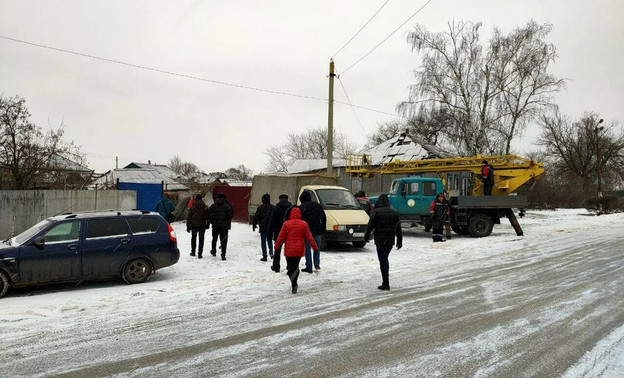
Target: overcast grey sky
(137,114)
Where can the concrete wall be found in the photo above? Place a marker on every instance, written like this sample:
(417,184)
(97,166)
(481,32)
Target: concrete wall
(20,209)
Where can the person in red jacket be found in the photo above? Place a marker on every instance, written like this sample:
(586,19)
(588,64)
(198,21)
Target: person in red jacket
(293,234)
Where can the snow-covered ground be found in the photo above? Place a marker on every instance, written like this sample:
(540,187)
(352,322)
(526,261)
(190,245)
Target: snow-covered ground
(35,321)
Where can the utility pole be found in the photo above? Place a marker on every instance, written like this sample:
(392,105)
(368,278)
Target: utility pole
(330,120)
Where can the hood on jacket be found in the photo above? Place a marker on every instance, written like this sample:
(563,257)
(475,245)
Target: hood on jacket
(305,197)
(382,200)
(295,213)
(199,203)
(266,198)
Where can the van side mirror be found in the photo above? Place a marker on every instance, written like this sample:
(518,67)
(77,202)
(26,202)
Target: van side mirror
(39,242)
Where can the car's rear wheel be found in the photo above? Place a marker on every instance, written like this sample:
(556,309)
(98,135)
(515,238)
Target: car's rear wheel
(137,271)
(4,284)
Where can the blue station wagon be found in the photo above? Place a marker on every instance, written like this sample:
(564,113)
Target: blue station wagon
(97,245)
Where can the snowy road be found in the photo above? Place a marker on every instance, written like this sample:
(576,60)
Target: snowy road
(500,306)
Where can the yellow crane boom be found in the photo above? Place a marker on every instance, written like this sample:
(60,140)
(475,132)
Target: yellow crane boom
(510,171)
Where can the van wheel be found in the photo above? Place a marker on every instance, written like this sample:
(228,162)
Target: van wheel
(137,271)
(4,284)
(480,225)
(359,244)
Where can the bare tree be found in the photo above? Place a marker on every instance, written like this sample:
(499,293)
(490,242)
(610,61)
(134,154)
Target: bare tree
(239,173)
(488,93)
(183,168)
(27,153)
(312,144)
(575,147)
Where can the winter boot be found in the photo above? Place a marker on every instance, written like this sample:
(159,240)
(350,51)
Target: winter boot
(213,252)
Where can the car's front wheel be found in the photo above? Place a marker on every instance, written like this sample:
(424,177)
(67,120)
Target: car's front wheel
(137,271)
(4,284)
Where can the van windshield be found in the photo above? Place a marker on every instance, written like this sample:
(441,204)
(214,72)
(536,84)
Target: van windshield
(337,199)
(28,234)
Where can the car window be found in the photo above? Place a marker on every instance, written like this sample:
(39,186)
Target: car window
(144,224)
(34,230)
(429,188)
(63,232)
(412,188)
(97,228)
(312,195)
(337,198)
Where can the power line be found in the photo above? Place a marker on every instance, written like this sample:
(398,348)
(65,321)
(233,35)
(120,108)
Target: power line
(352,108)
(162,71)
(362,28)
(187,76)
(385,39)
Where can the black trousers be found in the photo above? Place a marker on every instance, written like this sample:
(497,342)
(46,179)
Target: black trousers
(292,268)
(383,251)
(222,234)
(487,188)
(195,232)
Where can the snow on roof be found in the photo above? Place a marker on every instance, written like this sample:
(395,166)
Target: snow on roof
(308,165)
(404,148)
(136,173)
(400,147)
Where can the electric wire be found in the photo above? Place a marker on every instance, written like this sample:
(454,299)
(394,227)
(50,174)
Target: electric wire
(357,119)
(162,71)
(187,76)
(362,28)
(388,37)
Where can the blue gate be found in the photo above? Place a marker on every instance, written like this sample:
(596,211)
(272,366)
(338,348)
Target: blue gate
(147,194)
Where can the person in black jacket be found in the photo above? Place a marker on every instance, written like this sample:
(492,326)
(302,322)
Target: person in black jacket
(262,218)
(220,216)
(440,211)
(314,215)
(275,226)
(196,224)
(384,221)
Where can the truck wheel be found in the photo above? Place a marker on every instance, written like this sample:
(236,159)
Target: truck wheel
(480,225)
(359,244)
(461,230)
(4,284)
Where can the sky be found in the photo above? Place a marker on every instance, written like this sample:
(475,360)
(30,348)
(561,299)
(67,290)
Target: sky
(237,318)
(219,82)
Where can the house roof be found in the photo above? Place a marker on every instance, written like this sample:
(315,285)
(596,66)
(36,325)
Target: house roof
(401,147)
(143,174)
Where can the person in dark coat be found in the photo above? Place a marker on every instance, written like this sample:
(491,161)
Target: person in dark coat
(487,176)
(314,215)
(364,202)
(440,211)
(261,219)
(196,224)
(165,208)
(220,217)
(275,225)
(293,234)
(384,222)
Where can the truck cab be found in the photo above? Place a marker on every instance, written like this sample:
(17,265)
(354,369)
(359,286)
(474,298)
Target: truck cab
(412,196)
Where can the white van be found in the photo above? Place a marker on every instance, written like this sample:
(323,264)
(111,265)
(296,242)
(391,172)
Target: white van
(346,220)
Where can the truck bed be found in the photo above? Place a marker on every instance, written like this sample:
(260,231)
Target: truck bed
(489,202)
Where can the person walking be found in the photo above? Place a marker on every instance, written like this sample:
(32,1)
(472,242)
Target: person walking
(440,211)
(364,201)
(165,208)
(487,176)
(314,215)
(261,219)
(293,235)
(278,214)
(196,224)
(220,217)
(384,222)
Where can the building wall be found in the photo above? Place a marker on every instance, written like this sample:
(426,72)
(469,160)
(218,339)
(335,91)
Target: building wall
(20,209)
